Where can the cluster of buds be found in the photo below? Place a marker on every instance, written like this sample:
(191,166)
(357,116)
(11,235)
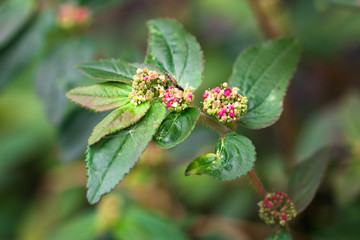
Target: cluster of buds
(224,103)
(277,208)
(70,16)
(147,84)
(177,100)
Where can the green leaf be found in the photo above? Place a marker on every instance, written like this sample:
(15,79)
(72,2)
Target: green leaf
(118,119)
(176,127)
(101,97)
(13,16)
(109,160)
(141,224)
(234,157)
(306,177)
(110,69)
(262,74)
(282,235)
(175,51)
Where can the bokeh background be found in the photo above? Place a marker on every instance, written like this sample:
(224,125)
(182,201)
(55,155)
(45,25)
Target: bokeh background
(43,136)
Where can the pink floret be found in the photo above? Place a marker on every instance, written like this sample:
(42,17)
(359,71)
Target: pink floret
(284,217)
(231,114)
(227,92)
(168,104)
(221,114)
(146,78)
(205,95)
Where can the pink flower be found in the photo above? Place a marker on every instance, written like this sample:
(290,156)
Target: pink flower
(146,78)
(221,114)
(231,114)
(205,95)
(166,95)
(217,90)
(274,198)
(190,96)
(231,107)
(284,217)
(227,92)
(168,105)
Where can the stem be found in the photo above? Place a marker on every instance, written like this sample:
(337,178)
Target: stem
(257,183)
(263,20)
(222,130)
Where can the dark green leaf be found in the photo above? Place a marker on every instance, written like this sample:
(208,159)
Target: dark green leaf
(110,69)
(234,157)
(109,160)
(139,224)
(282,235)
(118,119)
(176,128)
(262,74)
(175,51)
(306,177)
(101,97)
(13,15)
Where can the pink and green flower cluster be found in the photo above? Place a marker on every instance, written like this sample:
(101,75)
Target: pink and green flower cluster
(71,16)
(149,85)
(277,208)
(226,104)
(177,100)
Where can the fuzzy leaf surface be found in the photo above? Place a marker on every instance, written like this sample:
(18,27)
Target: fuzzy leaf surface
(101,97)
(175,51)
(262,74)
(118,119)
(110,159)
(306,177)
(110,69)
(176,127)
(234,157)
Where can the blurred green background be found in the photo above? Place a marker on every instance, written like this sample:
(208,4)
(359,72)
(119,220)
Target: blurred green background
(43,136)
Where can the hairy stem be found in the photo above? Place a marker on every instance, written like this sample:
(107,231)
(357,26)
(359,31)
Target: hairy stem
(222,130)
(257,184)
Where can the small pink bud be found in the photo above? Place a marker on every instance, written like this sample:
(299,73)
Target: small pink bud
(217,90)
(205,95)
(166,95)
(146,78)
(284,217)
(231,114)
(274,198)
(221,114)
(190,96)
(231,107)
(227,92)
(168,105)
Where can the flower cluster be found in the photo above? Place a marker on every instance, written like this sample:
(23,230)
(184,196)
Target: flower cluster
(70,16)
(276,208)
(147,84)
(225,103)
(177,100)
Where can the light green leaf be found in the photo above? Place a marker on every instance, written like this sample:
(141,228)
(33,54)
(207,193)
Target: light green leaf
(282,235)
(101,97)
(110,69)
(109,160)
(118,119)
(175,51)
(262,74)
(176,127)
(306,177)
(234,157)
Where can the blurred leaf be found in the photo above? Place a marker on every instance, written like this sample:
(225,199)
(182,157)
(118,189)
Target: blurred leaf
(176,127)
(350,3)
(80,228)
(282,235)
(20,55)
(141,224)
(306,177)
(111,70)
(175,51)
(101,97)
(75,131)
(56,75)
(118,119)
(235,156)
(350,119)
(319,130)
(13,15)
(262,74)
(109,160)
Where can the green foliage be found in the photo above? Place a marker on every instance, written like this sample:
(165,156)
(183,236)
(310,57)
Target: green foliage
(282,235)
(138,223)
(111,70)
(176,127)
(118,119)
(234,157)
(109,160)
(262,74)
(101,97)
(306,177)
(175,51)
